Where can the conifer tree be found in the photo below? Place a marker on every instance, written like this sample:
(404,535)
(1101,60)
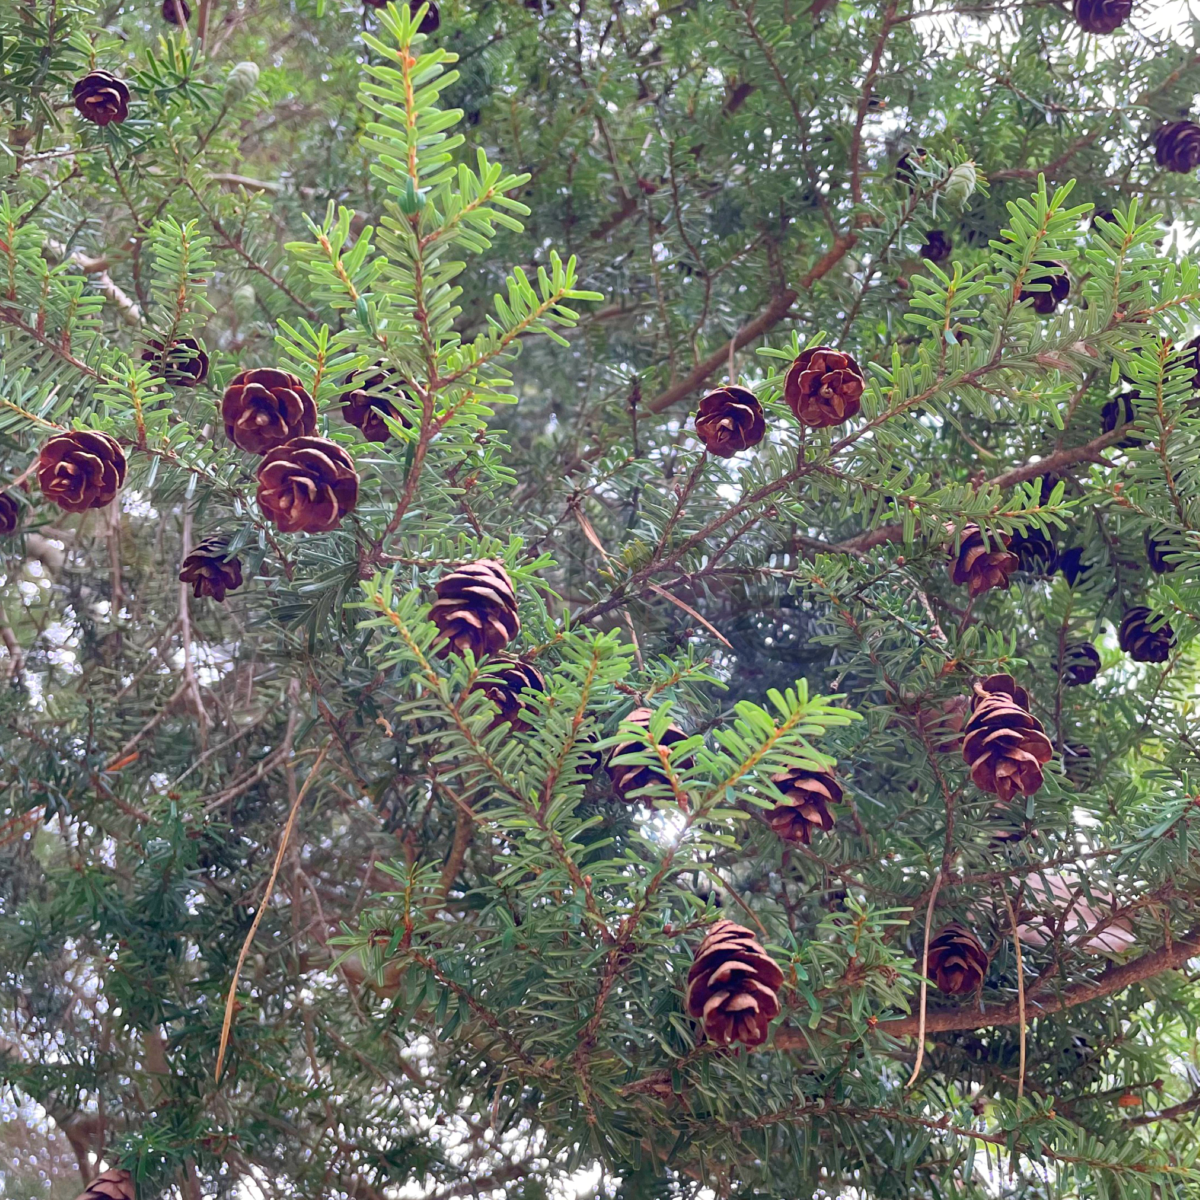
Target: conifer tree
(599,598)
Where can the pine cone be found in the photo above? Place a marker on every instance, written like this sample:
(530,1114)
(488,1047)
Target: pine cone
(173,10)
(208,570)
(1081,664)
(368,404)
(1102,16)
(1139,641)
(824,387)
(982,567)
(475,609)
(956,960)
(504,688)
(1003,743)
(943,725)
(730,419)
(1177,147)
(262,408)
(307,485)
(184,365)
(81,469)
(938,246)
(111,1185)
(102,98)
(807,796)
(1157,549)
(907,164)
(1078,764)
(1072,565)
(10,514)
(1119,411)
(733,986)
(1058,285)
(630,780)
(1036,553)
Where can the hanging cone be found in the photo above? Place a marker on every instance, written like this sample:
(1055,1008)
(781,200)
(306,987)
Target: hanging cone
(808,797)
(733,986)
(956,961)
(1004,744)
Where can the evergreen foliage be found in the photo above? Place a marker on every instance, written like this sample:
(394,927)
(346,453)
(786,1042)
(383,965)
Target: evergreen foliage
(294,902)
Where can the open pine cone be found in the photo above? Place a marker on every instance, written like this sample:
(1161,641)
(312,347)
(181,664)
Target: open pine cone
(1058,285)
(730,419)
(504,688)
(1177,147)
(1036,553)
(1102,16)
(982,567)
(184,365)
(264,407)
(10,514)
(208,570)
(81,469)
(475,609)
(1003,743)
(808,797)
(176,12)
(956,960)
(368,404)
(733,986)
(630,780)
(1081,664)
(110,1185)
(1139,641)
(102,98)
(307,485)
(824,387)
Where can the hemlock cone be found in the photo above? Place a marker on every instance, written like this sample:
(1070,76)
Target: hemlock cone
(475,609)
(824,387)
(210,570)
(956,960)
(1003,743)
(264,407)
(806,805)
(1144,637)
(101,98)
(728,420)
(367,405)
(80,470)
(307,485)
(980,564)
(10,514)
(630,780)
(732,986)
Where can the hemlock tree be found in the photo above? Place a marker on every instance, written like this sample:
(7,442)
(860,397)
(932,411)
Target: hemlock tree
(662,667)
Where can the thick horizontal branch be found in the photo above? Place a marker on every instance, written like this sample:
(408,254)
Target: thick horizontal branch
(1112,979)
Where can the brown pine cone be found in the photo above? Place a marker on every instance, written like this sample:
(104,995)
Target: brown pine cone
(1120,411)
(938,246)
(368,404)
(824,387)
(176,12)
(110,1185)
(630,780)
(102,98)
(264,407)
(1036,553)
(1177,147)
(1157,549)
(504,689)
(956,960)
(807,796)
(475,609)
(1078,764)
(1003,743)
(184,365)
(733,986)
(307,485)
(943,725)
(81,469)
(208,570)
(1081,664)
(1058,285)
(982,567)
(10,514)
(907,164)
(730,419)
(1139,641)
(1102,16)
